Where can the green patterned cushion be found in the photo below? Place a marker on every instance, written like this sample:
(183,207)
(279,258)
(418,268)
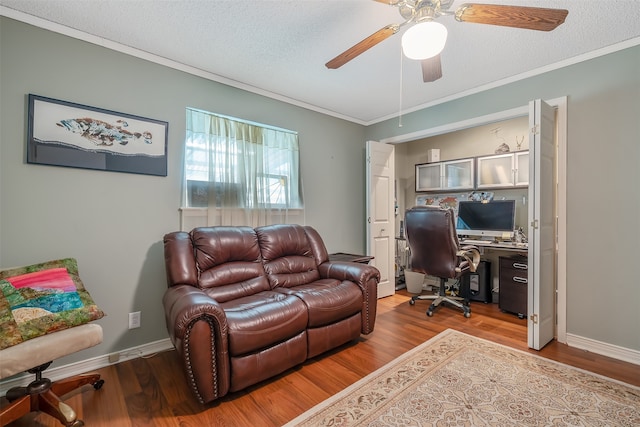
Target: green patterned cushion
(43,298)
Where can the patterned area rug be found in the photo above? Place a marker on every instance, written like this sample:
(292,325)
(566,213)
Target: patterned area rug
(458,380)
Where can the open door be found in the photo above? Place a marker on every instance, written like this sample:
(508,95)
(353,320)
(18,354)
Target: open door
(542,242)
(380,170)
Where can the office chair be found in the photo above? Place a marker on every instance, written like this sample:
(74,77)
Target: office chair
(435,251)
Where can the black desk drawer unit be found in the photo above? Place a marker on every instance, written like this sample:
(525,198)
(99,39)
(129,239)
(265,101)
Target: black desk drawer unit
(513,285)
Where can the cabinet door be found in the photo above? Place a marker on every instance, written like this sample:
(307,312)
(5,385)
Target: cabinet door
(522,168)
(429,177)
(495,171)
(458,174)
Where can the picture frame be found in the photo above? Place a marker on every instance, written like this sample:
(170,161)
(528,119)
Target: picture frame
(62,133)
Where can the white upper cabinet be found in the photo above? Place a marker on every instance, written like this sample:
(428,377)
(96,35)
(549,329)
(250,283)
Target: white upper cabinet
(522,168)
(503,170)
(450,175)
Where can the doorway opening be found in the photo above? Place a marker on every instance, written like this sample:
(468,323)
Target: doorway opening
(560,107)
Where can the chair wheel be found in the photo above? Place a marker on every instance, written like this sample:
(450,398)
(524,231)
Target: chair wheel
(429,313)
(16,393)
(98,384)
(467,314)
(412,302)
(77,423)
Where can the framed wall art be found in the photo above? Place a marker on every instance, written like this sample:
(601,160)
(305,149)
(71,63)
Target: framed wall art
(62,133)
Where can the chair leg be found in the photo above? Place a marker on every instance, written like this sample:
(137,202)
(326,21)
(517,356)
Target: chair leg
(415,298)
(62,387)
(17,409)
(42,395)
(51,404)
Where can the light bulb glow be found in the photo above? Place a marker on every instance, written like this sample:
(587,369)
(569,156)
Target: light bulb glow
(424,40)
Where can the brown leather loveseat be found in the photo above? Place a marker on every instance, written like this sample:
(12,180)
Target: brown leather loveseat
(246,304)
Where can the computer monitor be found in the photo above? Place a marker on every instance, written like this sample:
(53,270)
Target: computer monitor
(494,219)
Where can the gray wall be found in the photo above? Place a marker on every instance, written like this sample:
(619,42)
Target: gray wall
(113,223)
(603,172)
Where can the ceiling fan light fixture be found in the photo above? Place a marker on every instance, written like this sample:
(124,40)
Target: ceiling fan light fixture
(424,40)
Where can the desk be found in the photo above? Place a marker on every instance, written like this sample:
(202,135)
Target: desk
(509,293)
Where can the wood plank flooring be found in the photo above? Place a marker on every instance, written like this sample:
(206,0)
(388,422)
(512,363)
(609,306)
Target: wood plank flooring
(153,391)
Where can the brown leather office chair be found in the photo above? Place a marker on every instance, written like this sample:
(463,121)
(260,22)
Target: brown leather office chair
(435,251)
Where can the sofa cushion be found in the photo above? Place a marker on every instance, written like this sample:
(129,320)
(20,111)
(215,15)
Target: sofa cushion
(328,300)
(287,255)
(229,262)
(39,299)
(262,320)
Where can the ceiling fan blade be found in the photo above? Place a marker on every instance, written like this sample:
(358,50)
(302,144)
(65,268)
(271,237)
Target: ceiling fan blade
(530,18)
(363,46)
(431,69)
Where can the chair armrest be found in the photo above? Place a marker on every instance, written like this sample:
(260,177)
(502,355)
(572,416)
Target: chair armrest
(198,329)
(363,275)
(471,255)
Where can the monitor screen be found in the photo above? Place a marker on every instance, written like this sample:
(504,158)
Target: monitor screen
(495,218)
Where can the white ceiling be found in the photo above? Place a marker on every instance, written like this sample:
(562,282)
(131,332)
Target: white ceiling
(279,47)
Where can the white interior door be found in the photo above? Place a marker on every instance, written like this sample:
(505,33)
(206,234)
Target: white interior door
(542,244)
(380,170)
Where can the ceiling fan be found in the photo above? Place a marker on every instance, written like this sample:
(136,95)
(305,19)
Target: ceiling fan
(423,13)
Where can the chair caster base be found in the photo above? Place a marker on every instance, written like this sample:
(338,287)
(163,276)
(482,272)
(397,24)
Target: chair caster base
(42,395)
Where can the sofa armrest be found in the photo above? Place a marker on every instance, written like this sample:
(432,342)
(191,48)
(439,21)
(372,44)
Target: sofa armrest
(198,329)
(179,259)
(363,275)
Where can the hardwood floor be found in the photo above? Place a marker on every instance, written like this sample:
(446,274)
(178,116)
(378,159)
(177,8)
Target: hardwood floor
(153,391)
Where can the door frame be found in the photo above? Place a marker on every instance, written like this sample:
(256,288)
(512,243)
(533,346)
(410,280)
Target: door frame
(560,105)
(381,234)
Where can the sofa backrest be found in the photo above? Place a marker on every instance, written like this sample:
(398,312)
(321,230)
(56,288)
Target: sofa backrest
(290,258)
(233,262)
(229,262)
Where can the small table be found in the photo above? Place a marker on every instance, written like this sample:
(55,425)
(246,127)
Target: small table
(341,256)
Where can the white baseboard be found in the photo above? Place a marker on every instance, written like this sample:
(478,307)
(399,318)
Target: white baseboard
(88,365)
(604,349)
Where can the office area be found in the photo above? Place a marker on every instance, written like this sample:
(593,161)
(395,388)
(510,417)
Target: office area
(481,173)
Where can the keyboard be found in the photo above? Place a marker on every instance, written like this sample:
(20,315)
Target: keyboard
(476,242)
(494,244)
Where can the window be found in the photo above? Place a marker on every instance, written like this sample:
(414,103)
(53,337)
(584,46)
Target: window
(231,163)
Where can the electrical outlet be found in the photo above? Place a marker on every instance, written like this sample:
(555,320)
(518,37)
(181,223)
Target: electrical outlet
(134,320)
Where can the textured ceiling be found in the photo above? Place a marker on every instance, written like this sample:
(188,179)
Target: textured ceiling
(279,47)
